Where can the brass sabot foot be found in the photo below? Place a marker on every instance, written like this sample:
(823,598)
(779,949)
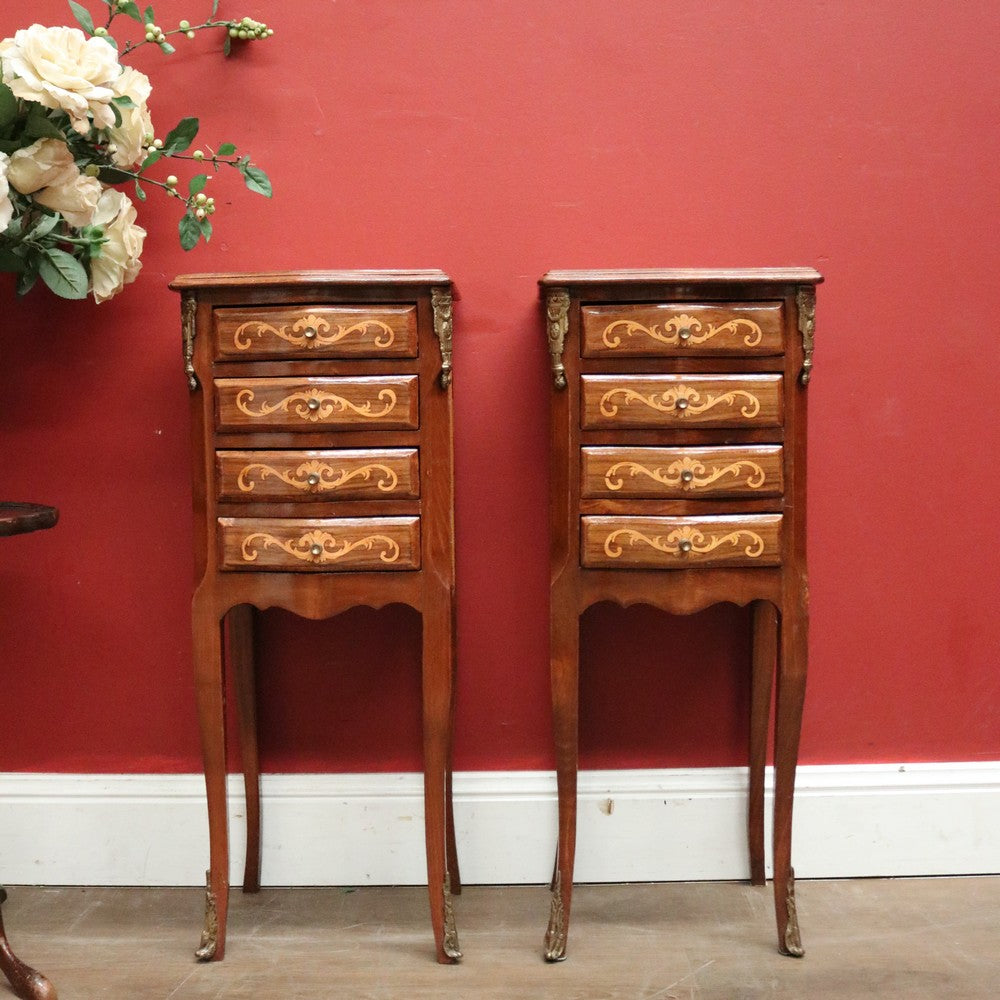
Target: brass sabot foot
(210,935)
(450,943)
(555,934)
(792,940)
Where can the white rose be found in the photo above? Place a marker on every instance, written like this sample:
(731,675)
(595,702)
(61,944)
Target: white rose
(62,68)
(136,122)
(45,162)
(6,208)
(75,201)
(119,261)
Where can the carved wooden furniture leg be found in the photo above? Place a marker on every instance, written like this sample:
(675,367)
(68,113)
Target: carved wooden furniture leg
(210,690)
(438,668)
(240,656)
(565,710)
(788,720)
(451,847)
(765,648)
(24,980)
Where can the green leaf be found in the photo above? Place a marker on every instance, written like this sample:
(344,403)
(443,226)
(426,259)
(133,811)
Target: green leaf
(180,138)
(124,101)
(151,158)
(226,149)
(206,229)
(227,45)
(110,41)
(197,184)
(8,105)
(43,227)
(38,126)
(63,273)
(117,115)
(29,275)
(10,261)
(215,7)
(112,175)
(148,17)
(167,49)
(83,18)
(256,180)
(132,10)
(139,193)
(189,231)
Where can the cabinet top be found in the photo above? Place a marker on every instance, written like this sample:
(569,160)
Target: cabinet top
(686,276)
(297,279)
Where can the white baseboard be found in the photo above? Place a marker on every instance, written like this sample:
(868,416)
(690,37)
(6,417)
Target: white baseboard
(358,829)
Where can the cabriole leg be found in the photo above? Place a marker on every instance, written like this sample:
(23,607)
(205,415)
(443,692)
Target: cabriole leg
(765,648)
(24,980)
(210,693)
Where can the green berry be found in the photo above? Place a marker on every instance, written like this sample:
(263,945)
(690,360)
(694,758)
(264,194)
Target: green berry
(184,25)
(172,180)
(201,198)
(198,155)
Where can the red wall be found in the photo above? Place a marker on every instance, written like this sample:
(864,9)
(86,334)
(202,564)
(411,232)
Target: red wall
(497,141)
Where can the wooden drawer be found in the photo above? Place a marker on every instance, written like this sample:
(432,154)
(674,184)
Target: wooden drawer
(344,474)
(667,473)
(680,542)
(316,332)
(310,404)
(613,401)
(319,544)
(668,331)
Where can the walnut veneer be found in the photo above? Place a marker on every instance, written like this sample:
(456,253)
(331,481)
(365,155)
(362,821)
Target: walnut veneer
(679,480)
(322,470)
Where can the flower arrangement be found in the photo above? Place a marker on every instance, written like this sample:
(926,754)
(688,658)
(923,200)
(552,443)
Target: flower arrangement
(74,126)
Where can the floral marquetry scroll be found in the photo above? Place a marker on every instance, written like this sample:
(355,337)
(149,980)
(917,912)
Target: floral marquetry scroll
(302,404)
(329,544)
(649,400)
(660,542)
(617,471)
(676,330)
(316,332)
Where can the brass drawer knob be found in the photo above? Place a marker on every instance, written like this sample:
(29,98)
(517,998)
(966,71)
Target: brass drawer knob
(312,479)
(684,334)
(684,546)
(309,333)
(687,476)
(316,551)
(681,404)
(313,404)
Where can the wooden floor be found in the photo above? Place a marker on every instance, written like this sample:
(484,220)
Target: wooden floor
(906,939)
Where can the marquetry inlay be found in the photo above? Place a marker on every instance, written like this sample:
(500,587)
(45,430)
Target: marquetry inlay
(311,332)
(319,547)
(681,400)
(316,476)
(315,405)
(687,473)
(682,331)
(683,540)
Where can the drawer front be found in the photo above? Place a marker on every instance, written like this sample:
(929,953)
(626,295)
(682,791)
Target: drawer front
(680,542)
(316,332)
(345,474)
(652,401)
(321,545)
(689,473)
(311,404)
(669,331)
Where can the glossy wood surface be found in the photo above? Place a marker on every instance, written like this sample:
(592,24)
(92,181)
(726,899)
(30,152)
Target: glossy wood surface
(317,331)
(306,404)
(322,545)
(319,474)
(681,329)
(631,542)
(655,457)
(322,480)
(656,401)
(689,473)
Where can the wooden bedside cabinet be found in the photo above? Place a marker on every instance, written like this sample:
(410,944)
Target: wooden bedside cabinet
(679,481)
(323,479)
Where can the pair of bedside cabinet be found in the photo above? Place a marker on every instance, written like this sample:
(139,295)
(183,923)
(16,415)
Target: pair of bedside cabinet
(323,480)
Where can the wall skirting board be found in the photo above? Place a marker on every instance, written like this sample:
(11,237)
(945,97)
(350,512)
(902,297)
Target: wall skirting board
(367,829)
